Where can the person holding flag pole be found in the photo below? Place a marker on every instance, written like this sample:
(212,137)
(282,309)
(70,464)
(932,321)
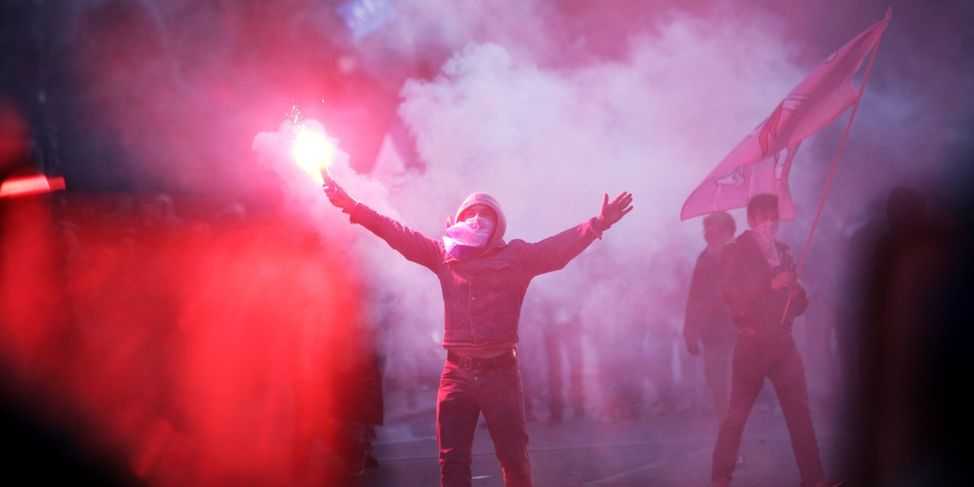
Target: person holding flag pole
(759,278)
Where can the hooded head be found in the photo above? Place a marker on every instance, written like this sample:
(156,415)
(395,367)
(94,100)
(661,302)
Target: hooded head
(497,237)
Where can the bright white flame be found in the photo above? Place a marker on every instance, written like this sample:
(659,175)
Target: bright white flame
(313,151)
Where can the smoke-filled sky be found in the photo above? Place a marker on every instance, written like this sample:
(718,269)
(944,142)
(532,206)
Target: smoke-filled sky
(548,107)
(545,104)
(179,88)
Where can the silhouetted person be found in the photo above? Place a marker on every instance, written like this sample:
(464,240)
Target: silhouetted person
(759,284)
(910,332)
(707,320)
(563,350)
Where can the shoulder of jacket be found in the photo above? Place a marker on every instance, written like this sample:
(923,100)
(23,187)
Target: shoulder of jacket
(737,244)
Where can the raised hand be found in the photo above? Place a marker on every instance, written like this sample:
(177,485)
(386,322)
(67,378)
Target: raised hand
(338,196)
(614,211)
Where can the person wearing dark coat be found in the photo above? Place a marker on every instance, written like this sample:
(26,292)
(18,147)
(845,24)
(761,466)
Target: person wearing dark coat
(483,280)
(707,321)
(761,288)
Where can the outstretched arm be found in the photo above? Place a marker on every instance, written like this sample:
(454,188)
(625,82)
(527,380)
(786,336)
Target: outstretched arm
(411,244)
(554,253)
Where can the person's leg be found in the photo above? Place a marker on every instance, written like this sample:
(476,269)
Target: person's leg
(660,373)
(748,370)
(456,420)
(576,367)
(553,355)
(717,371)
(502,399)
(816,350)
(788,377)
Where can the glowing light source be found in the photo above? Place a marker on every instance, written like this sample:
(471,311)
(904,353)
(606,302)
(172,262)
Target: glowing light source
(313,151)
(30,185)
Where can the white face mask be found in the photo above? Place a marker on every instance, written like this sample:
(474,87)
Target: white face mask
(472,232)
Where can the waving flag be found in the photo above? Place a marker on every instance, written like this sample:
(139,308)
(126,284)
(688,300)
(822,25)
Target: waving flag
(755,165)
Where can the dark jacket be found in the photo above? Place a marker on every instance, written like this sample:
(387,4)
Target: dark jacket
(746,286)
(482,295)
(707,317)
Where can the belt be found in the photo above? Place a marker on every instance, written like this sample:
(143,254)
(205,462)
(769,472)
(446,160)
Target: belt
(507,359)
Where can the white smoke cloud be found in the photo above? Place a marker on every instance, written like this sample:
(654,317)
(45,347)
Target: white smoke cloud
(548,140)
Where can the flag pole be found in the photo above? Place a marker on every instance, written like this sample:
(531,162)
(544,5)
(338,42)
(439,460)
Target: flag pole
(827,187)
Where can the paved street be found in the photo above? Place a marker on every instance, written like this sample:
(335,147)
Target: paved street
(658,451)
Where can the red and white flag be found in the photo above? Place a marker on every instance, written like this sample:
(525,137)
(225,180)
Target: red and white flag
(755,165)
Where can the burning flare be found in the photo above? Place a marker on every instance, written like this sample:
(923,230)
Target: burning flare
(313,151)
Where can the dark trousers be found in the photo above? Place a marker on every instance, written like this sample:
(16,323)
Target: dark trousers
(464,393)
(717,357)
(774,357)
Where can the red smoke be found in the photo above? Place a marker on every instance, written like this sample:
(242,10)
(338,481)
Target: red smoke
(217,352)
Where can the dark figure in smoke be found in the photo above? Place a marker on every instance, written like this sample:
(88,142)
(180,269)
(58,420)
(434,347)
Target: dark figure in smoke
(564,336)
(483,280)
(758,283)
(707,321)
